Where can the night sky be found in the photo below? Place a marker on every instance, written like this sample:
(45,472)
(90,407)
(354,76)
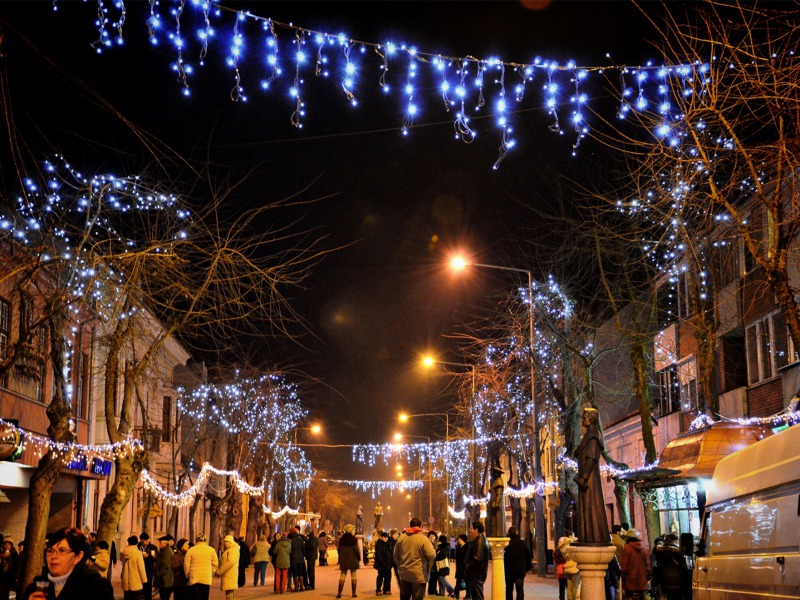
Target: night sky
(398,204)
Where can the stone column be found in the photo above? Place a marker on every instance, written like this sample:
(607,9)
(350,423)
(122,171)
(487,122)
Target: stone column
(496,545)
(592,564)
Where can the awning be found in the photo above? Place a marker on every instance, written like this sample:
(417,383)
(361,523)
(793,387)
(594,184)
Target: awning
(695,454)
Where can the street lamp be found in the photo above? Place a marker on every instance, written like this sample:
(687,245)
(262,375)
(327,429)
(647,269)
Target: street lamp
(404,417)
(397,438)
(459,263)
(316,429)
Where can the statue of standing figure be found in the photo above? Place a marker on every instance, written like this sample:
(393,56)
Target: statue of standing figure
(592,522)
(378,514)
(359,521)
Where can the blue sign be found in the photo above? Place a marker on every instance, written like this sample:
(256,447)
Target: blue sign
(78,463)
(101,466)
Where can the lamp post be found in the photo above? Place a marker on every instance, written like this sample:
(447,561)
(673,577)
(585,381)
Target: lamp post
(400,436)
(403,417)
(459,263)
(316,429)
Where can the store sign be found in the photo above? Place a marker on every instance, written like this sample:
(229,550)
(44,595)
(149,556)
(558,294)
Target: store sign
(100,466)
(78,463)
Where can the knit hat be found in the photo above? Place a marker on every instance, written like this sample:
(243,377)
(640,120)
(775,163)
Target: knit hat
(201,537)
(633,534)
(229,538)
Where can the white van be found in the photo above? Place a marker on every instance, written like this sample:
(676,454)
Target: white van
(750,541)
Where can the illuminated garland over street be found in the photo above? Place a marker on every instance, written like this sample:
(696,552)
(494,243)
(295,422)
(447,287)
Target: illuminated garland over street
(290,58)
(789,417)
(378,487)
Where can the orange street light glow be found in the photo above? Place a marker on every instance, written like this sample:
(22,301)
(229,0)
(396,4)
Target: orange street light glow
(402,417)
(458,263)
(398,437)
(428,361)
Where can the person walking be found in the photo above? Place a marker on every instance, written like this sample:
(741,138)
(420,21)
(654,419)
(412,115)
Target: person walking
(180,584)
(672,570)
(260,555)
(149,552)
(516,563)
(570,575)
(442,561)
(476,563)
(244,560)
(382,563)
(163,577)
(636,566)
(199,564)
(433,575)
(349,560)
(462,546)
(311,549)
(228,569)
(323,548)
(392,541)
(134,572)
(413,554)
(282,560)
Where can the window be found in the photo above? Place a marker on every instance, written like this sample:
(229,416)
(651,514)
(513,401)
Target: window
(687,379)
(669,391)
(682,293)
(5,324)
(769,348)
(727,262)
(166,419)
(81,384)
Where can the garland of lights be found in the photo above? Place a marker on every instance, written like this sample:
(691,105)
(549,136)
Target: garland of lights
(295,56)
(284,511)
(41,444)
(378,487)
(789,417)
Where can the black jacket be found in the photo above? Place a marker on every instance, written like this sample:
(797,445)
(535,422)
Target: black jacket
(311,547)
(461,557)
(383,556)
(516,558)
(82,584)
(476,563)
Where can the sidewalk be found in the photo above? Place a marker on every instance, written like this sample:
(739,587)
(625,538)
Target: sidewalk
(327,583)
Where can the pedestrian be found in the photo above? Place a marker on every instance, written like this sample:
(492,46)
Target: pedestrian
(149,552)
(200,564)
(393,535)
(228,569)
(461,554)
(442,562)
(323,549)
(260,555)
(282,560)
(311,548)
(349,560)
(134,572)
(68,578)
(476,563)
(383,563)
(244,560)
(636,567)
(433,575)
(571,574)
(9,567)
(560,560)
(618,539)
(297,569)
(179,581)
(163,578)
(611,579)
(516,563)
(101,559)
(413,554)
(672,570)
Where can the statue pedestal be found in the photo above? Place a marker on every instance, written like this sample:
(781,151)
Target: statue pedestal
(592,563)
(496,545)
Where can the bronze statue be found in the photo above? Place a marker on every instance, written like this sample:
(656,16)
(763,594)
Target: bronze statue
(592,523)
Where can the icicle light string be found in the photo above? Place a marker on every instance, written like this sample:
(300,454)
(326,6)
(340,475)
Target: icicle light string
(378,487)
(300,54)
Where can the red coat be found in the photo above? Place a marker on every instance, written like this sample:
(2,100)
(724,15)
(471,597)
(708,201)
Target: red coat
(636,569)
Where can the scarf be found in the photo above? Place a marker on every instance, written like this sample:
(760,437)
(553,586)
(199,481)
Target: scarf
(413,530)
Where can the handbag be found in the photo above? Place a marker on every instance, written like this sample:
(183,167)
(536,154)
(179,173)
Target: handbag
(443,566)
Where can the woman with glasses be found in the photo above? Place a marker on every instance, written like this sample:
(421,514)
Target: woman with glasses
(68,577)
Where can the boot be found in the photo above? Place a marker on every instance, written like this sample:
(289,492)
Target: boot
(341,587)
(353,585)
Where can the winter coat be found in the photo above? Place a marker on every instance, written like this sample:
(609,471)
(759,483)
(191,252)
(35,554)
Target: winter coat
(260,551)
(200,563)
(9,568)
(349,556)
(133,575)
(149,552)
(442,552)
(516,558)
(476,563)
(162,573)
(413,554)
(461,555)
(228,568)
(81,584)
(635,565)
(311,547)
(619,544)
(102,559)
(179,579)
(298,551)
(383,556)
(671,567)
(283,553)
(244,556)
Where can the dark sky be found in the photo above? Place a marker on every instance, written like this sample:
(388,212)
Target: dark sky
(376,305)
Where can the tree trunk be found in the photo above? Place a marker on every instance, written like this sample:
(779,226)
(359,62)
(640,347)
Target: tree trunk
(44,477)
(621,495)
(216,514)
(198,500)
(233,514)
(126,473)
(254,513)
